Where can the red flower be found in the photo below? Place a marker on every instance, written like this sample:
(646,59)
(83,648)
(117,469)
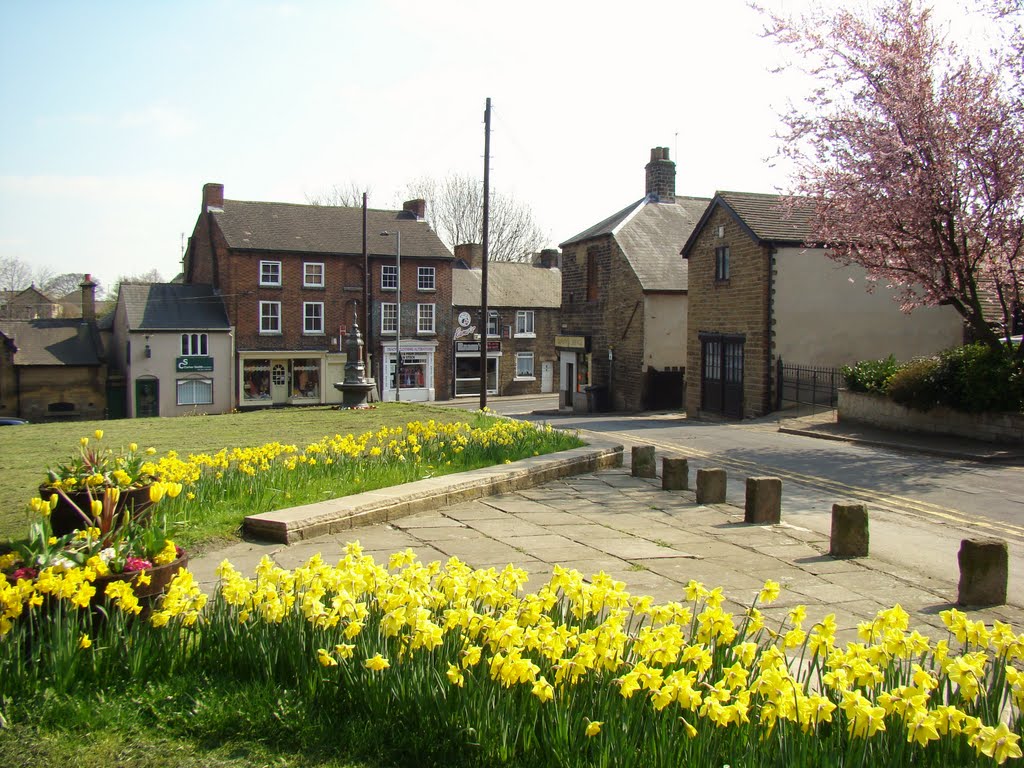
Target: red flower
(25,573)
(132,564)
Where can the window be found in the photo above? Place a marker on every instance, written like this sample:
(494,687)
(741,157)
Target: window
(388,318)
(493,320)
(270,317)
(256,379)
(524,322)
(424,318)
(305,378)
(389,277)
(195,391)
(524,365)
(270,273)
(194,344)
(312,317)
(722,262)
(425,278)
(313,274)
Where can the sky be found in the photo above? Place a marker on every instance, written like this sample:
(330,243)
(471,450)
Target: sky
(117,113)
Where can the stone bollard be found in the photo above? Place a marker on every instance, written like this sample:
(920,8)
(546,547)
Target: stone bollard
(764,501)
(675,474)
(849,530)
(984,571)
(643,464)
(711,486)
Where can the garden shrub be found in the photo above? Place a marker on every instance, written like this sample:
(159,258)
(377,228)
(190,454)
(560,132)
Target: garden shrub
(976,378)
(870,375)
(916,384)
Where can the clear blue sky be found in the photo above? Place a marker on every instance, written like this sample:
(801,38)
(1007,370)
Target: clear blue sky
(116,113)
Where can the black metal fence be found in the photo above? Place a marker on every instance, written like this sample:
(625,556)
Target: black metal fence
(807,385)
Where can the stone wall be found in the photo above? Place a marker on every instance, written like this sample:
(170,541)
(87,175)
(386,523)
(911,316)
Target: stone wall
(880,411)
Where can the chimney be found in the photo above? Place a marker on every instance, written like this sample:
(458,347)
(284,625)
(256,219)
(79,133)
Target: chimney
(471,253)
(213,197)
(417,208)
(88,299)
(547,259)
(661,176)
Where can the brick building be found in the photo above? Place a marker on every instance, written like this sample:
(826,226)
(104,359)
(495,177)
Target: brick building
(293,277)
(758,294)
(523,301)
(624,291)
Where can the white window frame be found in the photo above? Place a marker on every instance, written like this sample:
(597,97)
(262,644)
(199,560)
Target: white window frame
(531,376)
(493,325)
(525,324)
(426,279)
(317,315)
(389,271)
(192,385)
(193,344)
(267,271)
(270,310)
(314,282)
(388,311)
(426,315)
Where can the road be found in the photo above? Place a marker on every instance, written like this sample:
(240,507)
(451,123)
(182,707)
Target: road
(921,506)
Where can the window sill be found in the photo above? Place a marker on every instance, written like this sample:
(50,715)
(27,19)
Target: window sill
(525,378)
(270,285)
(313,333)
(524,336)
(314,287)
(271,333)
(426,290)
(392,289)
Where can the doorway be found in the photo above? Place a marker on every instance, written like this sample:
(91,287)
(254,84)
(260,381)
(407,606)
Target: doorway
(547,375)
(721,375)
(147,398)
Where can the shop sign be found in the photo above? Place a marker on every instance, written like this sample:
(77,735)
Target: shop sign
(195,363)
(580,343)
(467,346)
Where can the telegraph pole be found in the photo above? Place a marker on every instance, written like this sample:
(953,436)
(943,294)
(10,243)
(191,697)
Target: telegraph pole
(483,275)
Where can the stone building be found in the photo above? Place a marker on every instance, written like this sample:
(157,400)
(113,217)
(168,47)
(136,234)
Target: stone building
(523,301)
(293,278)
(622,342)
(759,294)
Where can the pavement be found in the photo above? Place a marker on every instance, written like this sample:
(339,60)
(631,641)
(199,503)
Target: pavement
(653,540)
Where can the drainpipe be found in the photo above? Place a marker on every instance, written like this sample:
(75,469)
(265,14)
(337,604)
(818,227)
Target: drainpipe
(772,251)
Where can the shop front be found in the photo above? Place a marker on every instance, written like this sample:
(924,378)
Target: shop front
(467,368)
(414,379)
(269,380)
(574,362)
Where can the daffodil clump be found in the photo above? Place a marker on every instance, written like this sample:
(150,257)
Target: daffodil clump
(579,672)
(97,466)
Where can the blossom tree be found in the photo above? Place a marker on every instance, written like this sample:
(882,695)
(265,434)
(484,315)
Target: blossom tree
(912,154)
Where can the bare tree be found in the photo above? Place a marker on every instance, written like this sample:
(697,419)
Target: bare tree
(65,284)
(15,274)
(349,196)
(144,278)
(455,207)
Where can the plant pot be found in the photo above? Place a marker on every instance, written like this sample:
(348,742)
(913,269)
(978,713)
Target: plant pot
(159,579)
(65,518)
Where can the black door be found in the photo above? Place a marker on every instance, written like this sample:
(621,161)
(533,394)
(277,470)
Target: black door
(721,378)
(147,398)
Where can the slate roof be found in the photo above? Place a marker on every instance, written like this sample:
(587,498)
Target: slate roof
(509,284)
(172,307)
(324,229)
(766,218)
(650,235)
(53,342)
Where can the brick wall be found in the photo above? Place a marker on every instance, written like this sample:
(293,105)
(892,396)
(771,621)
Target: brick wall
(82,386)
(739,305)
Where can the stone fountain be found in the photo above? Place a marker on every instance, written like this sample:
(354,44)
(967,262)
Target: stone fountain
(355,389)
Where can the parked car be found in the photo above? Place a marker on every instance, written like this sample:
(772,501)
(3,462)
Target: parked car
(11,421)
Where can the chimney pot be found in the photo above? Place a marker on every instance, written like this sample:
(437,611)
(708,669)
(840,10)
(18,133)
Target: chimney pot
(471,253)
(417,208)
(661,176)
(88,298)
(213,197)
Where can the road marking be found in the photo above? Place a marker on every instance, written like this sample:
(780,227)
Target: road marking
(887,500)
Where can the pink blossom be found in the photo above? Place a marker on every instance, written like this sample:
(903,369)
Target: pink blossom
(132,564)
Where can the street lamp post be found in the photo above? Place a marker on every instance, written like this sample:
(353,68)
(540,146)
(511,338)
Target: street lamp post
(398,311)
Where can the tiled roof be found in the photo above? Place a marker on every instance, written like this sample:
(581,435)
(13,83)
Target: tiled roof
(768,218)
(509,284)
(170,306)
(324,229)
(605,227)
(651,241)
(53,342)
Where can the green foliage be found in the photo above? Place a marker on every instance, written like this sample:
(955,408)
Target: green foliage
(916,384)
(870,375)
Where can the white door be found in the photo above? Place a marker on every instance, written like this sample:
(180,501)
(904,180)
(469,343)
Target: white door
(547,375)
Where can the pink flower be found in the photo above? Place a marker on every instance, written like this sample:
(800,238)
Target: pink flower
(25,573)
(132,564)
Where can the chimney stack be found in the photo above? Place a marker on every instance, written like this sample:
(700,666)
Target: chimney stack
(417,208)
(661,176)
(213,197)
(548,259)
(471,253)
(88,299)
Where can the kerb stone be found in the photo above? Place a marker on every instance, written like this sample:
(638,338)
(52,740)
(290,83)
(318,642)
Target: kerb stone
(984,571)
(711,486)
(764,501)
(675,474)
(643,463)
(849,531)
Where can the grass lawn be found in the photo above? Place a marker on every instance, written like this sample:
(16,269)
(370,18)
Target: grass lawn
(26,451)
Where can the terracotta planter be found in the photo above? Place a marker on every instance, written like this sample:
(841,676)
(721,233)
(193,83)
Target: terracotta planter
(65,518)
(159,579)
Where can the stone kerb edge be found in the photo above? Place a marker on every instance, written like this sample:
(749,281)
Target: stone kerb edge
(294,524)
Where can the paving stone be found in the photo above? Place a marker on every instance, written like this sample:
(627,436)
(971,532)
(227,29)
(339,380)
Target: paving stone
(594,565)
(447,533)
(429,520)
(505,526)
(825,564)
(552,548)
(630,548)
(481,550)
(515,505)
(472,510)
(829,594)
(552,518)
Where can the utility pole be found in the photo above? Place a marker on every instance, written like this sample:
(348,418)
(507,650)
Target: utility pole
(483,275)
